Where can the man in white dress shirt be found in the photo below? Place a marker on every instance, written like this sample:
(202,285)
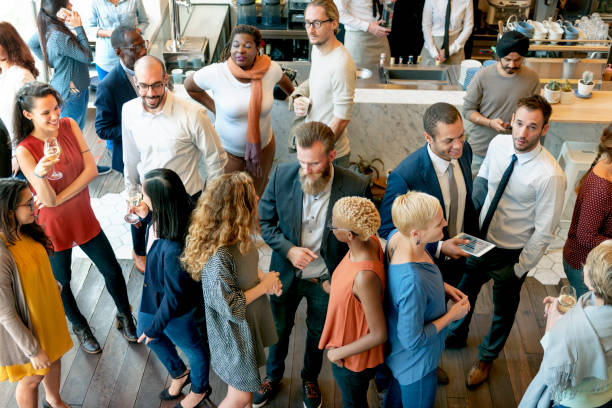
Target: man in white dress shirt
(161,130)
(365,38)
(447,25)
(520,190)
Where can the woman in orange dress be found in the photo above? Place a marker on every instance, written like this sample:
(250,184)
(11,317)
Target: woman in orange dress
(33,330)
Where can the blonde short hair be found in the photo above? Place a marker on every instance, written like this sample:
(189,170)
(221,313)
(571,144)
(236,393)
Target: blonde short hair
(414,210)
(357,214)
(598,266)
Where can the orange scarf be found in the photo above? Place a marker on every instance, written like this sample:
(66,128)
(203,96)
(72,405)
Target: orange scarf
(255,74)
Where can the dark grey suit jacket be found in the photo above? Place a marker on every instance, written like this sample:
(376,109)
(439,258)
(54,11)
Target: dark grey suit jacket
(280,216)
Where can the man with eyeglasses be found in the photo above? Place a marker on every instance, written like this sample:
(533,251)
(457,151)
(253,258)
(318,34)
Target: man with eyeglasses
(327,95)
(294,214)
(114,90)
(162,130)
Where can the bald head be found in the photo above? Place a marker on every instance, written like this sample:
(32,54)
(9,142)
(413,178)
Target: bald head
(149,65)
(151,80)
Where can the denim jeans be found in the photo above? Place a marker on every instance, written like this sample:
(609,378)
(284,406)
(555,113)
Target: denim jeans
(575,278)
(419,394)
(283,310)
(75,107)
(101,74)
(181,331)
(354,385)
(99,250)
(497,264)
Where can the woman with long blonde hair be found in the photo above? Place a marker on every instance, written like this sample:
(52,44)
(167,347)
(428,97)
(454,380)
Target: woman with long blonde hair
(219,250)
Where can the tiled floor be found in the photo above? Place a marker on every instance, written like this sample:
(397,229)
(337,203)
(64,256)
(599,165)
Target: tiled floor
(110,210)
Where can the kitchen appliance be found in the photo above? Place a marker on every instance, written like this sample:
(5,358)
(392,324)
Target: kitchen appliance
(295,14)
(247,12)
(271,12)
(502,9)
(182,49)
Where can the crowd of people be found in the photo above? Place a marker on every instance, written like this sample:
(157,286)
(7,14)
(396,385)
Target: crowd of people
(382,311)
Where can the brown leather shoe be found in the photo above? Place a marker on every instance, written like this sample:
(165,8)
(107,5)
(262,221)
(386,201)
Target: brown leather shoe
(442,376)
(140,261)
(478,374)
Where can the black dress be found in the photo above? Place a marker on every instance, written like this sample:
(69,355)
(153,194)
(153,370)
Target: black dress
(5,151)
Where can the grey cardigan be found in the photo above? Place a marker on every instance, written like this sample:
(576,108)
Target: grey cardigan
(17,337)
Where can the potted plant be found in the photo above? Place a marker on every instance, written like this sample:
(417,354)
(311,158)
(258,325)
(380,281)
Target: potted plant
(566,93)
(366,167)
(585,84)
(552,92)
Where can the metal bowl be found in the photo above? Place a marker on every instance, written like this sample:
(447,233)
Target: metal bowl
(364,73)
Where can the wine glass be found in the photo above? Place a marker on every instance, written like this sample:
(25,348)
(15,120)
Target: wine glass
(567,298)
(52,148)
(133,201)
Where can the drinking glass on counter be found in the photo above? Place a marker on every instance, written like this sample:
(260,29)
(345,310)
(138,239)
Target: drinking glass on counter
(567,298)
(52,148)
(133,201)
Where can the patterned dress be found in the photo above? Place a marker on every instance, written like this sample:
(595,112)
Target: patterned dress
(237,332)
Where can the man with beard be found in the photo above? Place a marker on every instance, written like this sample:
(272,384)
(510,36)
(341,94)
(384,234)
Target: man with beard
(161,130)
(330,87)
(294,212)
(520,190)
(114,90)
(493,93)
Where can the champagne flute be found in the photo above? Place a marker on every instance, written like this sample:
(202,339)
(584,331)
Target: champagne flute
(52,148)
(567,298)
(133,201)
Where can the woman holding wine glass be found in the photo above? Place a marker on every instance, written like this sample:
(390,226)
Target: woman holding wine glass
(58,165)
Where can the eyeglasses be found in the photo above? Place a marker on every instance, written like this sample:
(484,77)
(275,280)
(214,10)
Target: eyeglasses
(157,86)
(137,47)
(316,23)
(331,227)
(30,204)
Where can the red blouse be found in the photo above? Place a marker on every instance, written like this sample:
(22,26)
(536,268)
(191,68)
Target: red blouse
(591,221)
(73,222)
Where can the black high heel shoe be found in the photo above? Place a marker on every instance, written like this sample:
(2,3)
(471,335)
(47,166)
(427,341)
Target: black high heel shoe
(165,394)
(204,400)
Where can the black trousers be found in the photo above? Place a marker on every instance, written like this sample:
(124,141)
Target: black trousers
(497,264)
(99,250)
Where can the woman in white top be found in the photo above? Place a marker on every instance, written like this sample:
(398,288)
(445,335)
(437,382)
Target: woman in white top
(16,68)
(242,86)
(459,30)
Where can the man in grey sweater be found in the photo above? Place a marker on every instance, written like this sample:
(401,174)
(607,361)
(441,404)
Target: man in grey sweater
(492,95)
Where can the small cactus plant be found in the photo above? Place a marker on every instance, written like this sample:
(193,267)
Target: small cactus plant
(587,78)
(566,86)
(553,85)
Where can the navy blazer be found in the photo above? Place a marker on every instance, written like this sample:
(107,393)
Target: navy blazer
(416,172)
(280,216)
(113,91)
(168,290)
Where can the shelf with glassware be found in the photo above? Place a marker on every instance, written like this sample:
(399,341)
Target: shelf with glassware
(580,45)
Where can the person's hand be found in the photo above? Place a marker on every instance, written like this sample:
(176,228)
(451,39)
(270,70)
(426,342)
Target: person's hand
(460,309)
(379,31)
(270,282)
(453,293)
(141,210)
(326,286)
(441,56)
(332,355)
(551,311)
(45,165)
(450,248)
(498,125)
(252,157)
(300,257)
(301,105)
(38,204)
(145,338)
(73,19)
(14,165)
(41,360)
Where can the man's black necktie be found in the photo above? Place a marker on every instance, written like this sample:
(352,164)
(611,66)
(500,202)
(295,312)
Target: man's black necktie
(377,8)
(446,28)
(498,194)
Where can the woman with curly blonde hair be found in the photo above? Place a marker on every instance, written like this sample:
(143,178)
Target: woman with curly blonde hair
(355,328)
(219,250)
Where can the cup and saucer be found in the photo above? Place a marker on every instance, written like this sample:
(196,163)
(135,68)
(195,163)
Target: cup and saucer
(579,95)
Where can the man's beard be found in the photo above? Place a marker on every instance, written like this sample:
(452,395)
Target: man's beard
(315,186)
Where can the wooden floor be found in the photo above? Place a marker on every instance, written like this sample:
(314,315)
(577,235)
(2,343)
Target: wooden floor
(126,375)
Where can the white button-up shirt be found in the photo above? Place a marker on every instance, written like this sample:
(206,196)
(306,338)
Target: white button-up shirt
(530,208)
(175,138)
(356,15)
(314,214)
(461,23)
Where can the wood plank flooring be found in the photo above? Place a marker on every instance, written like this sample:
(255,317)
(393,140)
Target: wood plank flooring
(126,375)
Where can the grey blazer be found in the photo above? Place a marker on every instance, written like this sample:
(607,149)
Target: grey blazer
(17,338)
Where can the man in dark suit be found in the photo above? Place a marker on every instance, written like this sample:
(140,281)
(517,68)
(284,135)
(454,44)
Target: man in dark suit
(294,212)
(441,168)
(116,89)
